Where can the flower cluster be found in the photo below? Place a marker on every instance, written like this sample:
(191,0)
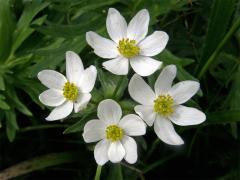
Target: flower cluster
(161,107)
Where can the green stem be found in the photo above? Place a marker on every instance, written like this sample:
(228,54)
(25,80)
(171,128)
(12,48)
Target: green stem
(151,150)
(47,126)
(233,29)
(158,163)
(98,172)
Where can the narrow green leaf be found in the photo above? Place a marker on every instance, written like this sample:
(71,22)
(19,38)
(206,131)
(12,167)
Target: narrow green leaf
(17,103)
(11,124)
(2,84)
(219,22)
(86,6)
(6,28)
(234,99)
(71,31)
(26,32)
(4,105)
(55,55)
(211,59)
(23,26)
(168,58)
(38,163)
(229,116)
(78,126)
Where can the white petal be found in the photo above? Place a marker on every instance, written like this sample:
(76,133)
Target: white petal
(166,132)
(146,113)
(185,116)
(61,112)
(94,130)
(153,44)
(109,111)
(133,125)
(87,80)
(144,66)
(52,79)
(74,66)
(183,91)
(118,66)
(116,152)
(138,26)
(116,25)
(164,81)
(103,47)
(130,147)
(140,91)
(100,152)
(52,97)
(81,102)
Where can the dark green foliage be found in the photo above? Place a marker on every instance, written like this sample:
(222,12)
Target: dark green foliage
(204,44)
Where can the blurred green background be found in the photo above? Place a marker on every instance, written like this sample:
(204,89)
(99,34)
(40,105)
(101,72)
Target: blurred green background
(204,44)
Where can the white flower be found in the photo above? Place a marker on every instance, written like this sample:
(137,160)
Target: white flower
(113,133)
(67,93)
(164,106)
(128,44)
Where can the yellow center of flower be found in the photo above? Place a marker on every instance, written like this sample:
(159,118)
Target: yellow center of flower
(114,133)
(128,48)
(70,91)
(164,105)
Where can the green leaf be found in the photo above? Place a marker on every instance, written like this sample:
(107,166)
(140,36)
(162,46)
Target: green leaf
(77,127)
(2,84)
(53,56)
(38,163)
(219,22)
(26,32)
(6,28)
(229,116)
(86,6)
(113,86)
(4,105)
(234,95)
(168,58)
(23,29)
(71,31)
(17,103)
(234,99)
(11,124)
(85,114)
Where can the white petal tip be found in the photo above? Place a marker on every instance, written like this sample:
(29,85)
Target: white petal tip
(89,37)
(144,11)
(172,67)
(50,119)
(112,10)
(39,75)
(179,143)
(70,52)
(93,68)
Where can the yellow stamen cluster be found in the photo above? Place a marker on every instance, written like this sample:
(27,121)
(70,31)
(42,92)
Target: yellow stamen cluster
(114,133)
(70,91)
(128,48)
(164,105)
